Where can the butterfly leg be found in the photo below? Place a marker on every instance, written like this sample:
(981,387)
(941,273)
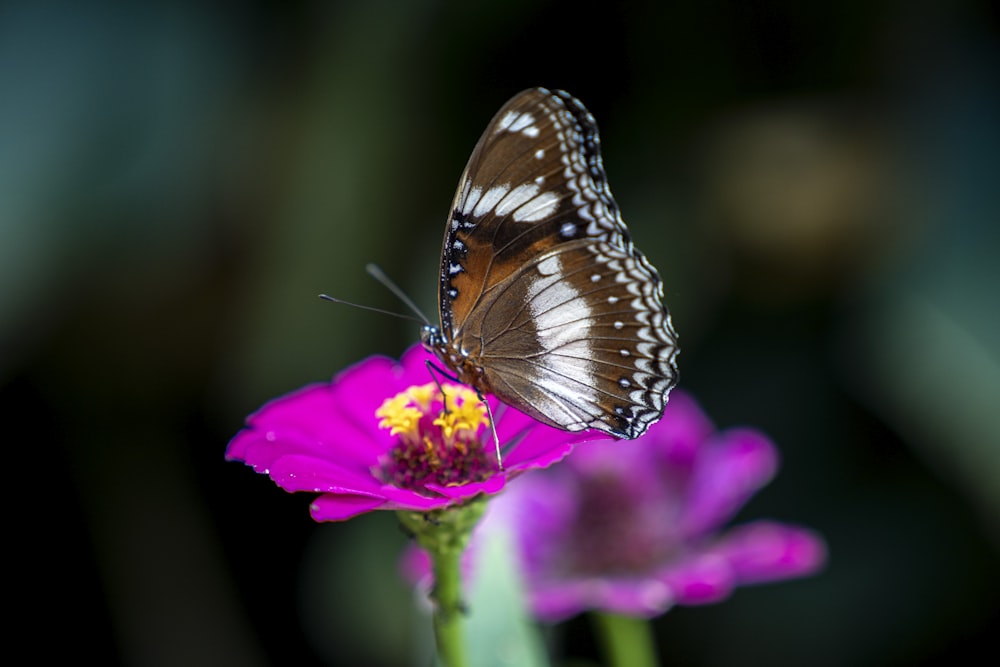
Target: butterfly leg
(431,368)
(493,428)
(444,397)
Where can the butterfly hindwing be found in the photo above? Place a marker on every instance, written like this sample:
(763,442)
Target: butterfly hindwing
(566,340)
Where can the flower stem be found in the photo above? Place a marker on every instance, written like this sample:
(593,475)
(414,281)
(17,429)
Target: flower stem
(444,534)
(627,641)
(448,609)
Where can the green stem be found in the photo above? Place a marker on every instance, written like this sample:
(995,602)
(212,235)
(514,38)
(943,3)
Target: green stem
(444,534)
(448,609)
(627,641)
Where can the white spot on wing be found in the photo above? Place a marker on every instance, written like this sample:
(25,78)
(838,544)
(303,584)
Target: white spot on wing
(516,121)
(539,208)
(548,266)
(490,199)
(463,198)
(517,198)
(507,121)
(563,324)
(470,197)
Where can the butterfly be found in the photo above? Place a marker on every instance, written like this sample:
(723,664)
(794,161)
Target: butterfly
(544,301)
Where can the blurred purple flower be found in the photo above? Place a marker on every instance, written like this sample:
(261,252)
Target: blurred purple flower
(633,527)
(376,438)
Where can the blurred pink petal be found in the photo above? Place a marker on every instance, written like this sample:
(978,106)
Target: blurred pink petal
(635,527)
(767,551)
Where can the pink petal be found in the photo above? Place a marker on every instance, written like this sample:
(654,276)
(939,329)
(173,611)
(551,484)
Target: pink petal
(554,602)
(489,486)
(413,366)
(679,434)
(334,507)
(415,566)
(728,472)
(296,472)
(357,394)
(702,579)
(306,421)
(529,444)
(768,551)
(643,598)
(405,499)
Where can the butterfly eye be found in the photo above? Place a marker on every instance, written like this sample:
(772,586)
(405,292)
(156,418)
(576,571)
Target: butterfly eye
(431,337)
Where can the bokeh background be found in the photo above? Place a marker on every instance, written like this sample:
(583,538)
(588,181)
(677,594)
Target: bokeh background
(179,181)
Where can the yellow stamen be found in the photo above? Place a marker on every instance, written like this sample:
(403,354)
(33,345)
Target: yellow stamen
(423,395)
(398,416)
(432,458)
(464,413)
(467,413)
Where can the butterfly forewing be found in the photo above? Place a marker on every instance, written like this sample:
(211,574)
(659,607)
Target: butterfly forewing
(511,201)
(544,300)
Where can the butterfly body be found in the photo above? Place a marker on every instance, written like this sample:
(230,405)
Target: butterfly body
(544,301)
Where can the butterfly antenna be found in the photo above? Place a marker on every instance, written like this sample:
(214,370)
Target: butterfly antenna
(333,299)
(378,274)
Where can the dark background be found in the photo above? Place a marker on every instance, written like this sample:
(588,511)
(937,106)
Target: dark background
(178,181)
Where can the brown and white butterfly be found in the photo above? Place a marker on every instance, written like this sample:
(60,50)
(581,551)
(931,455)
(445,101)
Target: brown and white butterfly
(544,301)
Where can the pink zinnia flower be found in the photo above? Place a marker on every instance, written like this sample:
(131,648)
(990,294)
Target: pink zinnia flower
(377,437)
(635,527)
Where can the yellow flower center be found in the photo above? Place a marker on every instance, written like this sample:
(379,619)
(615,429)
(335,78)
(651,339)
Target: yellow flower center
(439,437)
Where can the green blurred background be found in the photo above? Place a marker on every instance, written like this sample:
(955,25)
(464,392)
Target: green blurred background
(178,181)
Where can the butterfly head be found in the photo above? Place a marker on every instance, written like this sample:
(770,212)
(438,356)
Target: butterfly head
(432,338)
(455,358)
(437,343)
